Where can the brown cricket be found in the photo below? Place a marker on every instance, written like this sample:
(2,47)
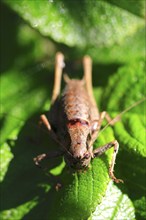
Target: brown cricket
(74,120)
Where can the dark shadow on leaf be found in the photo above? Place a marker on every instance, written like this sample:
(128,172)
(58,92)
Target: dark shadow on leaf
(9,46)
(23,179)
(100,73)
(131,168)
(2,121)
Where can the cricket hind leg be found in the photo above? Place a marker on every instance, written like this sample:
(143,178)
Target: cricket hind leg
(99,151)
(59,65)
(87,65)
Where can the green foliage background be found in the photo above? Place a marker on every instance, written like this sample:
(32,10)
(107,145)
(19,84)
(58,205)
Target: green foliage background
(112,33)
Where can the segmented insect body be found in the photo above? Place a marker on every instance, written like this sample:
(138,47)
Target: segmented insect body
(74,120)
(77,106)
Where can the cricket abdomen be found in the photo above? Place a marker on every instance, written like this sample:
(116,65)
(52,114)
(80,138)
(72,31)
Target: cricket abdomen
(76,101)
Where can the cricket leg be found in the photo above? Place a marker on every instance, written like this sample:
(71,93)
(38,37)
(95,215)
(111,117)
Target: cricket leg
(49,155)
(95,127)
(110,120)
(44,120)
(87,65)
(99,151)
(96,124)
(59,65)
(54,179)
(39,158)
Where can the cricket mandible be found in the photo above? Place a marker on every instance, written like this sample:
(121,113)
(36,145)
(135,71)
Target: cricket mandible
(74,120)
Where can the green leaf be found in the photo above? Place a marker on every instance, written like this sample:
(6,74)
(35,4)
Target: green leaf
(122,96)
(96,27)
(19,212)
(140,206)
(131,49)
(82,191)
(26,85)
(49,17)
(115,205)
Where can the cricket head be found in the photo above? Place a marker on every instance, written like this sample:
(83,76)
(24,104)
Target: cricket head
(79,153)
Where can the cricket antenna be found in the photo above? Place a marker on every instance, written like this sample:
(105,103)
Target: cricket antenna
(117,118)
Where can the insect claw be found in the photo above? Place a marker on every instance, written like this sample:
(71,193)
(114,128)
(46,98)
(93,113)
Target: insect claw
(118,180)
(58,186)
(114,178)
(38,159)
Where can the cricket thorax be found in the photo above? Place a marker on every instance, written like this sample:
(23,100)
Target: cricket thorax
(76,101)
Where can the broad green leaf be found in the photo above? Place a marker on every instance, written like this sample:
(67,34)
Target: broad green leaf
(104,31)
(115,205)
(131,49)
(49,17)
(127,87)
(83,191)
(26,84)
(131,132)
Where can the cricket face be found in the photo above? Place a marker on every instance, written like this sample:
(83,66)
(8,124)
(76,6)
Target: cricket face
(79,155)
(78,162)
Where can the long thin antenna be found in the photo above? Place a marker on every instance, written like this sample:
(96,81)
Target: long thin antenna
(119,115)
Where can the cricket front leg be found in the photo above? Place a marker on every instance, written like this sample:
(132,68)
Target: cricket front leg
(49,155)
(99,151)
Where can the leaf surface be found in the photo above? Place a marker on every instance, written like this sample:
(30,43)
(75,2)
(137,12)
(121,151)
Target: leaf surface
(26,85)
